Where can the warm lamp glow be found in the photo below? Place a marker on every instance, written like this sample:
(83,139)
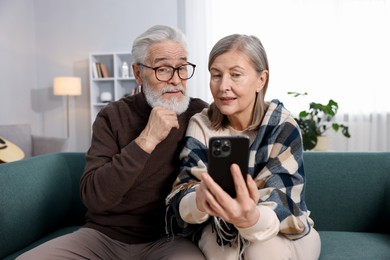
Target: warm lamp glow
(67,86)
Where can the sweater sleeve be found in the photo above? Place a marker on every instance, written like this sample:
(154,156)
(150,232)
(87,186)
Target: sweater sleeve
(266,227)
(189,211)
(106,177)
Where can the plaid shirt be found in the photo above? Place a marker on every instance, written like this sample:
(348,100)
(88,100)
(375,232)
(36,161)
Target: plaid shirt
(275,163)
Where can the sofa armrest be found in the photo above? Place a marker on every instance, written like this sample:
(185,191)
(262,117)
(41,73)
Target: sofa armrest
(39,195)
(44,145)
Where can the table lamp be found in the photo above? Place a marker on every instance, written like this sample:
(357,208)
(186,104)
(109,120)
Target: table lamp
(67,86)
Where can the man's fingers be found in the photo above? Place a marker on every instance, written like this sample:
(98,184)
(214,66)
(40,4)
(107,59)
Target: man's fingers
(162,120)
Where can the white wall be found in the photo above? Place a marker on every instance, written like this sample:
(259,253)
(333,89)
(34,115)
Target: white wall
(17,61)
(42,39)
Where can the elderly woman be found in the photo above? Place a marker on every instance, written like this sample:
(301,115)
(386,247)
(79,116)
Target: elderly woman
(268,218)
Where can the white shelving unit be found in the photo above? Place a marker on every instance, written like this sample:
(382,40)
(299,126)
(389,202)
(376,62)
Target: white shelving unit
(115,84)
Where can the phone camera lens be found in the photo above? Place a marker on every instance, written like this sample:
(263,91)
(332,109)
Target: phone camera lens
(221,147)
(226,146)
(217,143)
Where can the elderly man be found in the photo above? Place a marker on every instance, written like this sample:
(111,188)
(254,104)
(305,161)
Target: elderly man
(133,162)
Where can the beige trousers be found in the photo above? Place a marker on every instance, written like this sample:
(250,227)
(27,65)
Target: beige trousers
(87,243)
(277,248)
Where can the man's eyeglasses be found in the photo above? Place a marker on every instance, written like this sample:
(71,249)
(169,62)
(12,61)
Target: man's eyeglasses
(165,73)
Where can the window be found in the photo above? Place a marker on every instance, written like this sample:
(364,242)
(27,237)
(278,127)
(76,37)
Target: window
(335,49)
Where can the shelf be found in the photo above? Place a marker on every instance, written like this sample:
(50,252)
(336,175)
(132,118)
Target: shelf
(111,80)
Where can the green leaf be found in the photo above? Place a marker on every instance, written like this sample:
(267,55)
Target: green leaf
(314,121)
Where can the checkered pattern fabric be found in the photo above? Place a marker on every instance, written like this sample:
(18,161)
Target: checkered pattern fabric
(276,164)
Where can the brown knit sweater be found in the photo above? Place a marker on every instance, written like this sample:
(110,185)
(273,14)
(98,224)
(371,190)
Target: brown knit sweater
(123,187)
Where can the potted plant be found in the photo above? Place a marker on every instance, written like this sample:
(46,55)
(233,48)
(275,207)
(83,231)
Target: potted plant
(315,121)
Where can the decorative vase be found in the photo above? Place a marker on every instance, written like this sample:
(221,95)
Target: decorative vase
(105,97)
(125,70)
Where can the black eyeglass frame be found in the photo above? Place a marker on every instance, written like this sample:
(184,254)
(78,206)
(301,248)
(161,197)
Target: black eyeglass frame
(173,72)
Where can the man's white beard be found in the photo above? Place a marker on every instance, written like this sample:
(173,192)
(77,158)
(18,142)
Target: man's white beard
(155,99)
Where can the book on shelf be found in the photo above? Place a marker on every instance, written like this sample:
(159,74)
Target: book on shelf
(104,69)
(94,70)
(99,70)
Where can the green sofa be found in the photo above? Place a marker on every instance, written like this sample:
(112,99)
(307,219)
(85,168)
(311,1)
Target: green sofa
(39,200)
(348,195)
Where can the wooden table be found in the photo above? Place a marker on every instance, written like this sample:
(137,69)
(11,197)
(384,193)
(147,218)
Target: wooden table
(9,152)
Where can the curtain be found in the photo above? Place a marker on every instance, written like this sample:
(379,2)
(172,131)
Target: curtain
(331,49)
(196,25)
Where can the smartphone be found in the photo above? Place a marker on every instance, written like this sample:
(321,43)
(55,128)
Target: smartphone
(223,152)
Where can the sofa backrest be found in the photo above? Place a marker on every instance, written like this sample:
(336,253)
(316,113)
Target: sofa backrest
(348,191)
(344,192)
(38,195)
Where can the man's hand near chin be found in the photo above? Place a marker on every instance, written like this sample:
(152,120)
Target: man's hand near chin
(161,121)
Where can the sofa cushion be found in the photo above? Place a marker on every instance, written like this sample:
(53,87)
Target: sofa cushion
(57,233)
(338,245)
(348,191)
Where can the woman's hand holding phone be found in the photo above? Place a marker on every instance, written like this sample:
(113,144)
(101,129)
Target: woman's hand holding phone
(240,211)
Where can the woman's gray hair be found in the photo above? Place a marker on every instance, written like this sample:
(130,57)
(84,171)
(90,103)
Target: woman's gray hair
(252,47)
(155,34)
